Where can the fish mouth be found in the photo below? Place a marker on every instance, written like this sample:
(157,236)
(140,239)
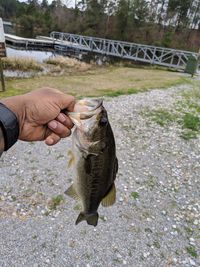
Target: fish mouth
(87,104)
(85,109)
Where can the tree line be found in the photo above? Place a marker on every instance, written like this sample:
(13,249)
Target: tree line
(169,23)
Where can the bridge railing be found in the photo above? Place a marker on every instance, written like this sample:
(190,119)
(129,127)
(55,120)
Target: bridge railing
(133,51)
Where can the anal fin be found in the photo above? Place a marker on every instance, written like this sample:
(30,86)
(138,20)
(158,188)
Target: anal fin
(110,198)
(71,159)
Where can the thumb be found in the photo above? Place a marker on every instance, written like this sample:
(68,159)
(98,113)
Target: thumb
(66,102)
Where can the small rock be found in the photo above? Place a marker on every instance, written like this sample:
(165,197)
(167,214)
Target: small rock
(119,256)
(47,260)
(192,262)
(195,222)
(43,212)
(146,254)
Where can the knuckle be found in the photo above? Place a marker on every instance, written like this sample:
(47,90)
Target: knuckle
(71,99)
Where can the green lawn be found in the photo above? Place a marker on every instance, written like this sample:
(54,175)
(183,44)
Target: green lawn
(110,81)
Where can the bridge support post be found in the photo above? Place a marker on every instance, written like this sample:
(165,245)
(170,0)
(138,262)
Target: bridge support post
(2,76)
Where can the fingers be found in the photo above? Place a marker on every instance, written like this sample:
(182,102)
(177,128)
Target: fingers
(59,129)
(52,139)
(65,120)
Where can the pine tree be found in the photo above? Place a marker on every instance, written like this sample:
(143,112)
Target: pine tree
(122,18)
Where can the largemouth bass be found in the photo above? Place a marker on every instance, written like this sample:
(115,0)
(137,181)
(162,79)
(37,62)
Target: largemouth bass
(94,156)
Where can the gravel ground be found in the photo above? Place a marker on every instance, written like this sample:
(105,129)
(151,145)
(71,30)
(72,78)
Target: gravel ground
(155,221)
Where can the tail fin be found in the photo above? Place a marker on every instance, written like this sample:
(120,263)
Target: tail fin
(92,219)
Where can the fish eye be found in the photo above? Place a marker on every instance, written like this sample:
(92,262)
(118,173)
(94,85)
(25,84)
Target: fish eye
(103,121)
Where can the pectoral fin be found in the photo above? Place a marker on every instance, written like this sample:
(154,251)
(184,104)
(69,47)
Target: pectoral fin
(71,159)
(110,198)
(71,192)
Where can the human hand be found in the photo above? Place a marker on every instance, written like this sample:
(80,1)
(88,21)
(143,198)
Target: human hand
(39,114)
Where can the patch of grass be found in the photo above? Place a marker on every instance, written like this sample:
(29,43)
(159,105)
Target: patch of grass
(189,230)
(194,93)
(192,251)
(156,244)
(193,106)
(21,64)
(187,135)
(131,91)
(56,201)
(14,198)
(135,195)
(192,122)
(191,126)
(108,81)
(11,91)
(112,93)
(161,116)
(186,114)
(151,181)
(47,212)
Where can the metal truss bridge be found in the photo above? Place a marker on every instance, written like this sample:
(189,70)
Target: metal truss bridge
(138,52)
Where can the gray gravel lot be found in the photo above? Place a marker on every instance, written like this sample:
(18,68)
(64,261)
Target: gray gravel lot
(155,221)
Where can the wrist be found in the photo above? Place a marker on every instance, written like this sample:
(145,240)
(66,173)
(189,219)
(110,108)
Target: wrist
(10,120)
(16,104)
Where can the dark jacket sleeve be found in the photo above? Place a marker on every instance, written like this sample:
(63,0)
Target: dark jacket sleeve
(1,142)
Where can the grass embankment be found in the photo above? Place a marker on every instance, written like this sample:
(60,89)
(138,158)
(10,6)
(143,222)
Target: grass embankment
(66,63)
(21,64)
(106,81)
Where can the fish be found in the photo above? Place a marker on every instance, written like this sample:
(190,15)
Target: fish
(93,156)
